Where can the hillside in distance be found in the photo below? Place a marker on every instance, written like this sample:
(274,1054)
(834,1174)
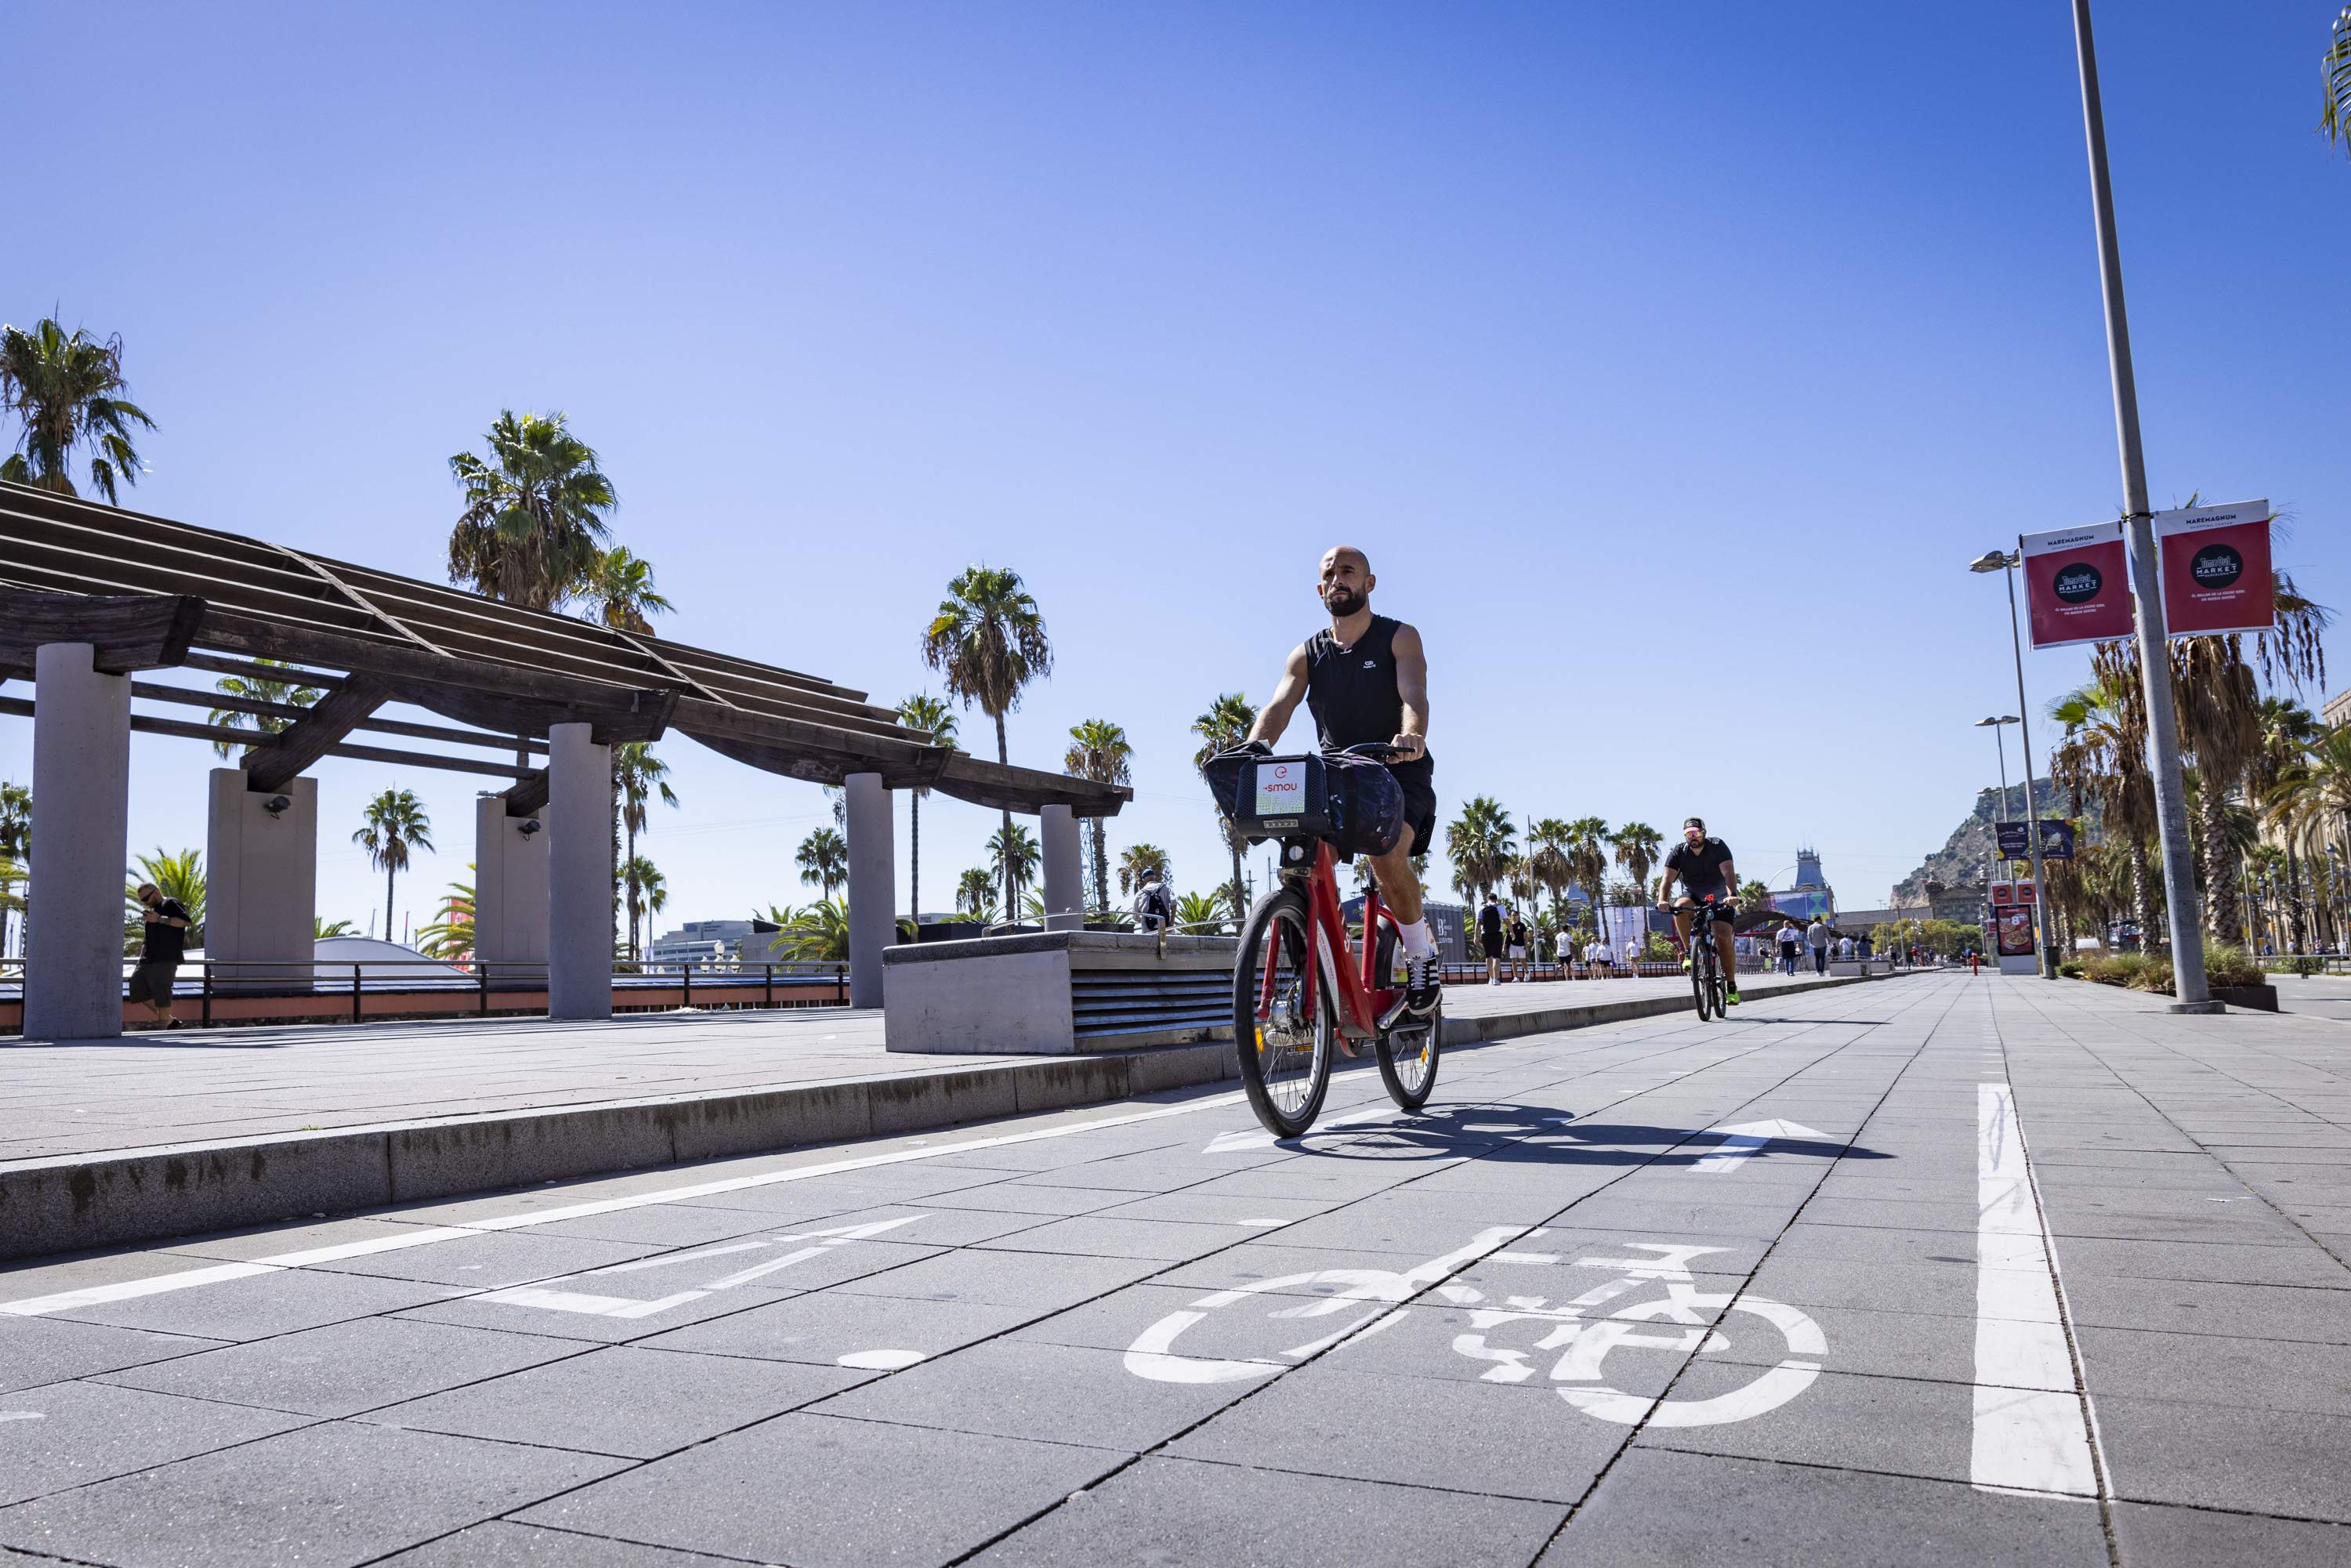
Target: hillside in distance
(1965,854)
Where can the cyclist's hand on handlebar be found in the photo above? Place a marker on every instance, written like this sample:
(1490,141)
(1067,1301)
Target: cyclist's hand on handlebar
(1405,748)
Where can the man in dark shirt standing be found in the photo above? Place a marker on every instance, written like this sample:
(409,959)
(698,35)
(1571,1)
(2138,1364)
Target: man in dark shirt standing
(1490,938)
(159,953)
(1703,867)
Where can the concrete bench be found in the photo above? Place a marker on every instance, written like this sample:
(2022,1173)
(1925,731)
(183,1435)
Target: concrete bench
(1057,993)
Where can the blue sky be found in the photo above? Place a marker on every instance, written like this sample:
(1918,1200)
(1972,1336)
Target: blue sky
(1636,344)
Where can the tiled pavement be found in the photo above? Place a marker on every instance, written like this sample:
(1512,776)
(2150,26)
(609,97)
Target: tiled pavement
(1558,1318)
(207,1086)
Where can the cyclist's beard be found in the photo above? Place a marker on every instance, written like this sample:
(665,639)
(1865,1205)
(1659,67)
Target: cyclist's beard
(1342,602)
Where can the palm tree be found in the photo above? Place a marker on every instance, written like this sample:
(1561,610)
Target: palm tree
(1098,751)
(65,391)
(1139,865)
(2335,109)
(2103,758)
(638,776)
(16,849)
(818,933)
(989,640)
(1754,895)
(923,712)
(620,588)
(450,936)
(1587,858)
(1479,843)
(394,823)
(537,513)
(975,894)
(289,692)
(1012,852)
(1547,859)
(823,859)
(2287,730)
(1226,724)
(1638,845)
(1195,911)
(176,876)
(322,929)
(648,894)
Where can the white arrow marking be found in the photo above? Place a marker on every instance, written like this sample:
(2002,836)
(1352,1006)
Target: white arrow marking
(1739,1143)
(1255,1138)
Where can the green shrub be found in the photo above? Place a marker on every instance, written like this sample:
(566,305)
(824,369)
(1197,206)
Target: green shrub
(2072,968)
(2232,965)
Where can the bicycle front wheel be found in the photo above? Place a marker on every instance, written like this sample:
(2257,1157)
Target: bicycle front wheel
(1703,992)
(1408,1054)
(1284,1017)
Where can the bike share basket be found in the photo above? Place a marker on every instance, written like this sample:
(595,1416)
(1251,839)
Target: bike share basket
(1353,802)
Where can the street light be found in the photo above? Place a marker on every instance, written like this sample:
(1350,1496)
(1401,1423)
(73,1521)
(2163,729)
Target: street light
(2002,561)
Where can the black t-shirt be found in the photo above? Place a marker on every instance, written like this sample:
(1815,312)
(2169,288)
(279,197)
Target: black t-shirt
(1352,692)
(165,944)
(1701,868)
(1517,933)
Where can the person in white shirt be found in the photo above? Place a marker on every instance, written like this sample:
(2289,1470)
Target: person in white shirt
(1602,961)
(1787,936)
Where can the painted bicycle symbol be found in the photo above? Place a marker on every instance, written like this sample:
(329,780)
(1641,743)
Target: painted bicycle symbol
(1686,1319)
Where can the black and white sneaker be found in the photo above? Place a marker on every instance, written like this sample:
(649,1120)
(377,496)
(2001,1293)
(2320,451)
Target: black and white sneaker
(1422,985)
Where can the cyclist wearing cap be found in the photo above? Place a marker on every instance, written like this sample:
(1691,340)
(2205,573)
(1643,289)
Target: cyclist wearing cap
(1365,680)
(1702,865)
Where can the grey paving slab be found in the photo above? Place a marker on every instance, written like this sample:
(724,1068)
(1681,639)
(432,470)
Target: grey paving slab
(623,1400)
(1010,1388)
(2220,1262)
(1922,1287)
(859,1492)
(69,1435)
(491,1261)
(1183,1513)
(1894,1425)
(1042,1281)
(332,1494)
(259,1306)
(2244,1372)
(2213,1456)
(346,1367)
(1642,1517)
(1332,1420)
(34,1351)
(1021,1197)
(819,1327)
(2155,1537)
(499,1544)
(1098,1236)
(1927,1346)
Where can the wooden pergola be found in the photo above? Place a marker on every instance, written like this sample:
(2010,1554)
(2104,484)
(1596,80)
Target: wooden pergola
(145,593)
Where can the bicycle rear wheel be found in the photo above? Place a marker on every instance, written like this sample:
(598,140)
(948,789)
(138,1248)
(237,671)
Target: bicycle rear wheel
(1700,955)
(1409,1052)
(1283,1014)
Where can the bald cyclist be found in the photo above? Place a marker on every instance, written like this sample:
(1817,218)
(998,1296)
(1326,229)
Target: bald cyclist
(1365,679)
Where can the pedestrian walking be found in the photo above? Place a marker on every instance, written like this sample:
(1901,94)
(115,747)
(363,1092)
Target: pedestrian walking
(1816,938)
(1787,936)
(1599,960)
(1490,938)
(1518,946)
(159,950)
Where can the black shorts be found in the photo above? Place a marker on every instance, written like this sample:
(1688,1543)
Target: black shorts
(152,982)
(1418,778)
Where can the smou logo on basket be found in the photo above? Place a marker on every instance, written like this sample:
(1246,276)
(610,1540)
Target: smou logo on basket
(1281,789)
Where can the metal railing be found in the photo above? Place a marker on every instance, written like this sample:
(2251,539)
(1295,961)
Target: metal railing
(244,987)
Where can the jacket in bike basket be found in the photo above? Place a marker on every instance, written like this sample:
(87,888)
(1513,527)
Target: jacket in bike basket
(1351,800)
(1352,692)
(1701,868)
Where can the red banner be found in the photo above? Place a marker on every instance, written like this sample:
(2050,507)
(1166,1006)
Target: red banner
(2078,585)
(2216,569)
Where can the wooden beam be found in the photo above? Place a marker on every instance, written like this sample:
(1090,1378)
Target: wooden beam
(125,632)
(156,692)
(289,674)
(967,778)
(527,796)
(277,761)
(144,725)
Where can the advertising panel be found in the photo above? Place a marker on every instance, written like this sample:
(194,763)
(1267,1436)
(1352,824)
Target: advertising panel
(2013,931)
(2078,585)
(2216,569)
(2056,840)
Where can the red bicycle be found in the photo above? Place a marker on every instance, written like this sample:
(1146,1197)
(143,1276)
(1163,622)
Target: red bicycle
(1304,989)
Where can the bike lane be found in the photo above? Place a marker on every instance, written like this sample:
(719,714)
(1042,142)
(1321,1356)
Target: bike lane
(1659,1260)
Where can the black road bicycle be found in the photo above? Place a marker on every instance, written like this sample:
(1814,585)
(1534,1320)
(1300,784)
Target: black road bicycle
(1708,981)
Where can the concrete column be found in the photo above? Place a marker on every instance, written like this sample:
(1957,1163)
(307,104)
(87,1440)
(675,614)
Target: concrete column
(579,874)
(261,879)
(510,890)
(81,792)
(1065,887)
(873,886)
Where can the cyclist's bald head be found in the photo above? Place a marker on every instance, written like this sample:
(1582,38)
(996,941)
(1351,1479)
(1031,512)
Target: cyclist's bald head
(1345,581)
(1338,553)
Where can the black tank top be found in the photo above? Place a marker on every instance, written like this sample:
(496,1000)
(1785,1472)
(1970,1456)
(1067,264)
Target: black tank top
(1352,692)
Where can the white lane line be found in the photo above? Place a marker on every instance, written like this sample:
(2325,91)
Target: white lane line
(2032,1431)
(188,1279)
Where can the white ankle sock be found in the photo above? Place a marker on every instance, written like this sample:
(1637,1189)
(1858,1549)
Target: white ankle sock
(1417,942)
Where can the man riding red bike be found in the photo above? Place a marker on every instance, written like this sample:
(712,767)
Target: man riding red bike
(1365,680)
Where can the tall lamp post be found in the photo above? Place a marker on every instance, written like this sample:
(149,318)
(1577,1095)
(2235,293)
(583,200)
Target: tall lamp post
(2004,562)
(2146,583)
